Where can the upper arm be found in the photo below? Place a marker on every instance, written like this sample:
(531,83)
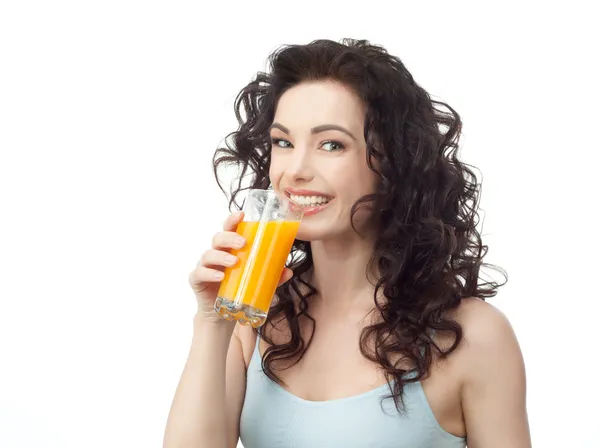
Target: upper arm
(235,387)
(494,388)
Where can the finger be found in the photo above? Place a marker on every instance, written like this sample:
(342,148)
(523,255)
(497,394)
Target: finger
(232,221)
(218,258)
(286,276)
(228,240)
(205,275)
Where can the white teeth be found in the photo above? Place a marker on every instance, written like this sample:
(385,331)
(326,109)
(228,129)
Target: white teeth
(309,200)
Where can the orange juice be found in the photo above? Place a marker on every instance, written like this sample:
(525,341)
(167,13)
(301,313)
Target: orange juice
(248,287)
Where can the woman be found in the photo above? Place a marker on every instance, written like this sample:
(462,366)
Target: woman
(379,335)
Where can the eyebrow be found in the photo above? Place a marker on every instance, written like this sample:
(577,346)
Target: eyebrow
(316,129)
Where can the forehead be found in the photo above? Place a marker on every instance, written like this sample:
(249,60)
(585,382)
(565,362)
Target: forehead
(321,102)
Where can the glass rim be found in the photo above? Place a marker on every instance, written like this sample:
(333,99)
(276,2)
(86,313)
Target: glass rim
(292,207)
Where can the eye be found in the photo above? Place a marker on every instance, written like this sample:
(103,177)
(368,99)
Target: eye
(332,145)
(281,143)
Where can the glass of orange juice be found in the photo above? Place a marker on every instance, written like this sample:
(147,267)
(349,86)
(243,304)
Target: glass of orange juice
(270,225)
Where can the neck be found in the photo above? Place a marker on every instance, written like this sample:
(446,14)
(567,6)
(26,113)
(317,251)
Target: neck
(340,271)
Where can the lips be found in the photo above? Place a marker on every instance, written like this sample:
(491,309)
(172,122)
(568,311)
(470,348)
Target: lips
(313,209)
(310,201)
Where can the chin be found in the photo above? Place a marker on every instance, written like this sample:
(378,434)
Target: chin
(308,232)
(306,235)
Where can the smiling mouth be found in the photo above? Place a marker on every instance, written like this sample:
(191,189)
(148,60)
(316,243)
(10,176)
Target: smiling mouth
(309,204)
(309,201)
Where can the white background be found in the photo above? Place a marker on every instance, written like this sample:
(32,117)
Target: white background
(110,113)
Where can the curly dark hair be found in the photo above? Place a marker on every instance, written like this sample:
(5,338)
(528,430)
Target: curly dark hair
(428,251)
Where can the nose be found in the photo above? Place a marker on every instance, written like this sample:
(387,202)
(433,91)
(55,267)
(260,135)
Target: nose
(299,166)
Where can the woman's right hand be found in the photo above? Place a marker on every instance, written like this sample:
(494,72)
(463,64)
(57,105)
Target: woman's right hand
(205,280)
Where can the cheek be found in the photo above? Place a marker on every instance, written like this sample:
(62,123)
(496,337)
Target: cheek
(275,172)
(354,178)
(369,179)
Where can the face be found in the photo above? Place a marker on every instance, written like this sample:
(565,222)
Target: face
(318,157)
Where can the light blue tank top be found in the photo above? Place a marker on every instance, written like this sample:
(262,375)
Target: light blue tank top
(272,417)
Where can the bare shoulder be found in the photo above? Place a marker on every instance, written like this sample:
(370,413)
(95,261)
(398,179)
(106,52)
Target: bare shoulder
(491,376)
(488,337)
(484,326)
(476,314)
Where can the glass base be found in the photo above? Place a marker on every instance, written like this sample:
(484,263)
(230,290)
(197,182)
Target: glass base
(244,314)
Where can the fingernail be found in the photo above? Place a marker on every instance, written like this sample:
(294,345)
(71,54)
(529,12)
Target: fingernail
(219,275)
(230,259)
(240,242)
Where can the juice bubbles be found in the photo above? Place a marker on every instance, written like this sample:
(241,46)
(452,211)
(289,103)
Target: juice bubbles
(248,287)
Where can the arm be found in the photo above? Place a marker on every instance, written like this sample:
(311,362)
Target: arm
(207,404)
(494,390)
